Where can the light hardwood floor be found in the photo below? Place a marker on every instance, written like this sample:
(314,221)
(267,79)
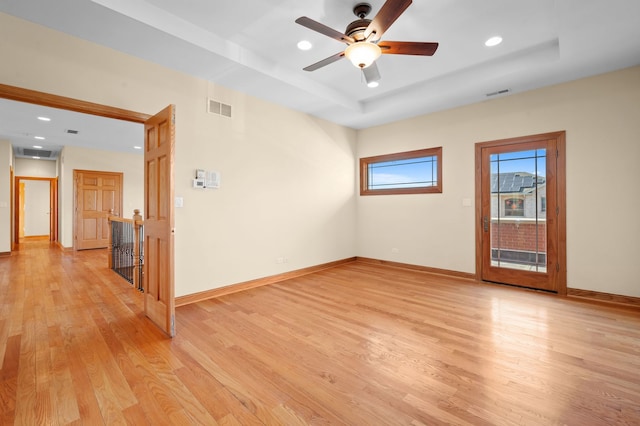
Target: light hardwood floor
(359,344)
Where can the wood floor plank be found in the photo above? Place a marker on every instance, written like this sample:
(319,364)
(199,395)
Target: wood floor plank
(359,344)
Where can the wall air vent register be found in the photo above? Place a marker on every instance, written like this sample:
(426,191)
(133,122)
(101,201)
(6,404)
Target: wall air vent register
(215,107)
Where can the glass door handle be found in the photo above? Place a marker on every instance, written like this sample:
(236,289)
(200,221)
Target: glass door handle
(485,224)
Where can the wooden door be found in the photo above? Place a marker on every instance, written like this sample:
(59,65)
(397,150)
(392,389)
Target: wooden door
(520,214)
(158,279)
(96,194)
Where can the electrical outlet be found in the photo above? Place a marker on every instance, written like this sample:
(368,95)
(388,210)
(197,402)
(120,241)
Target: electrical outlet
(280,260)
(395,250)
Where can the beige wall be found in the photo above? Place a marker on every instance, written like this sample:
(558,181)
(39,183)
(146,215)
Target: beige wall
(287,179)
(601,116)
(35,168)
(76,158)
(6,159)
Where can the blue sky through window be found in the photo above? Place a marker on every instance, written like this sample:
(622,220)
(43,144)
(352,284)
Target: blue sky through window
(533,161)
(407,173)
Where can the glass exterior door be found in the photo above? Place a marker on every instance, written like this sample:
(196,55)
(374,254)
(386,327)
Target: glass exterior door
(518,229)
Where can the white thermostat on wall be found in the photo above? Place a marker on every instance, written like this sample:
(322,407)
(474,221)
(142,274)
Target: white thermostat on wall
(212,180)
(206,180)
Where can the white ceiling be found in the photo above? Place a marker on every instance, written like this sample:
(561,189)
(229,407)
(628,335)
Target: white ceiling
(250,46)
(19,124)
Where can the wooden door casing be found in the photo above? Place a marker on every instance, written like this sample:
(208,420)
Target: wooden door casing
(554,279)
(96,194)
(158,277)
(18,203)
(21,196)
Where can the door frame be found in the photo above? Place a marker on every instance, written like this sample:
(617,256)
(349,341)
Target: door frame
(55,101)
(561,215)
(53,206)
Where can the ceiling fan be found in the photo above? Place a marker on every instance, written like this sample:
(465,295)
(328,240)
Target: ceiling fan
(362,38)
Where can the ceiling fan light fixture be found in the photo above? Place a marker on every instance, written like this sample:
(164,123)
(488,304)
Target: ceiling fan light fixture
(362,54)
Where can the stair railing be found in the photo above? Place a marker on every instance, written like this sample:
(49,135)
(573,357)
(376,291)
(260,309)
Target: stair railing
(126,247)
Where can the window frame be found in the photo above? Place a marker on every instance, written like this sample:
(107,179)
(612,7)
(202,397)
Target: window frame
(428,152)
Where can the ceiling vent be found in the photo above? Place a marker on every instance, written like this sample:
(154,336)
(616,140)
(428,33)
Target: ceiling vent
(215,107)
(499,92)
(71,131)
(36,153)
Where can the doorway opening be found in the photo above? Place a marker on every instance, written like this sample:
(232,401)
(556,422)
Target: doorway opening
(160,129)
(35,209)
(54,101)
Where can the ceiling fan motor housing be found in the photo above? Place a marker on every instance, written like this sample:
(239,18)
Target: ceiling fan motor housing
(356,29)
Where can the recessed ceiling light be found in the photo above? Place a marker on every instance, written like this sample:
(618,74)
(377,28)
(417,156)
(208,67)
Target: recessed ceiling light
(40,138)
(373,84)
(304,45)
(493,41)
(36,158)
(137,147)
(44,119)
(37,147)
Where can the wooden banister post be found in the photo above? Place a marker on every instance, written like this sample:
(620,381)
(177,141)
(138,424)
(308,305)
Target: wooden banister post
(110,246)
(137,223)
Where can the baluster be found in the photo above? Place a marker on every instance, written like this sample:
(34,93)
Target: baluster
(137,258)
(110,246)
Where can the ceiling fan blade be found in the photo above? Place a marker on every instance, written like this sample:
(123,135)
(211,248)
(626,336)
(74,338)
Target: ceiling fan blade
(371,73)
(387,15)
(323,29)
(408,48)
(324,62)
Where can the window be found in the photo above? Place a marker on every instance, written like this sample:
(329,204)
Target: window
(413,172)
(543,204)
(514,207)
